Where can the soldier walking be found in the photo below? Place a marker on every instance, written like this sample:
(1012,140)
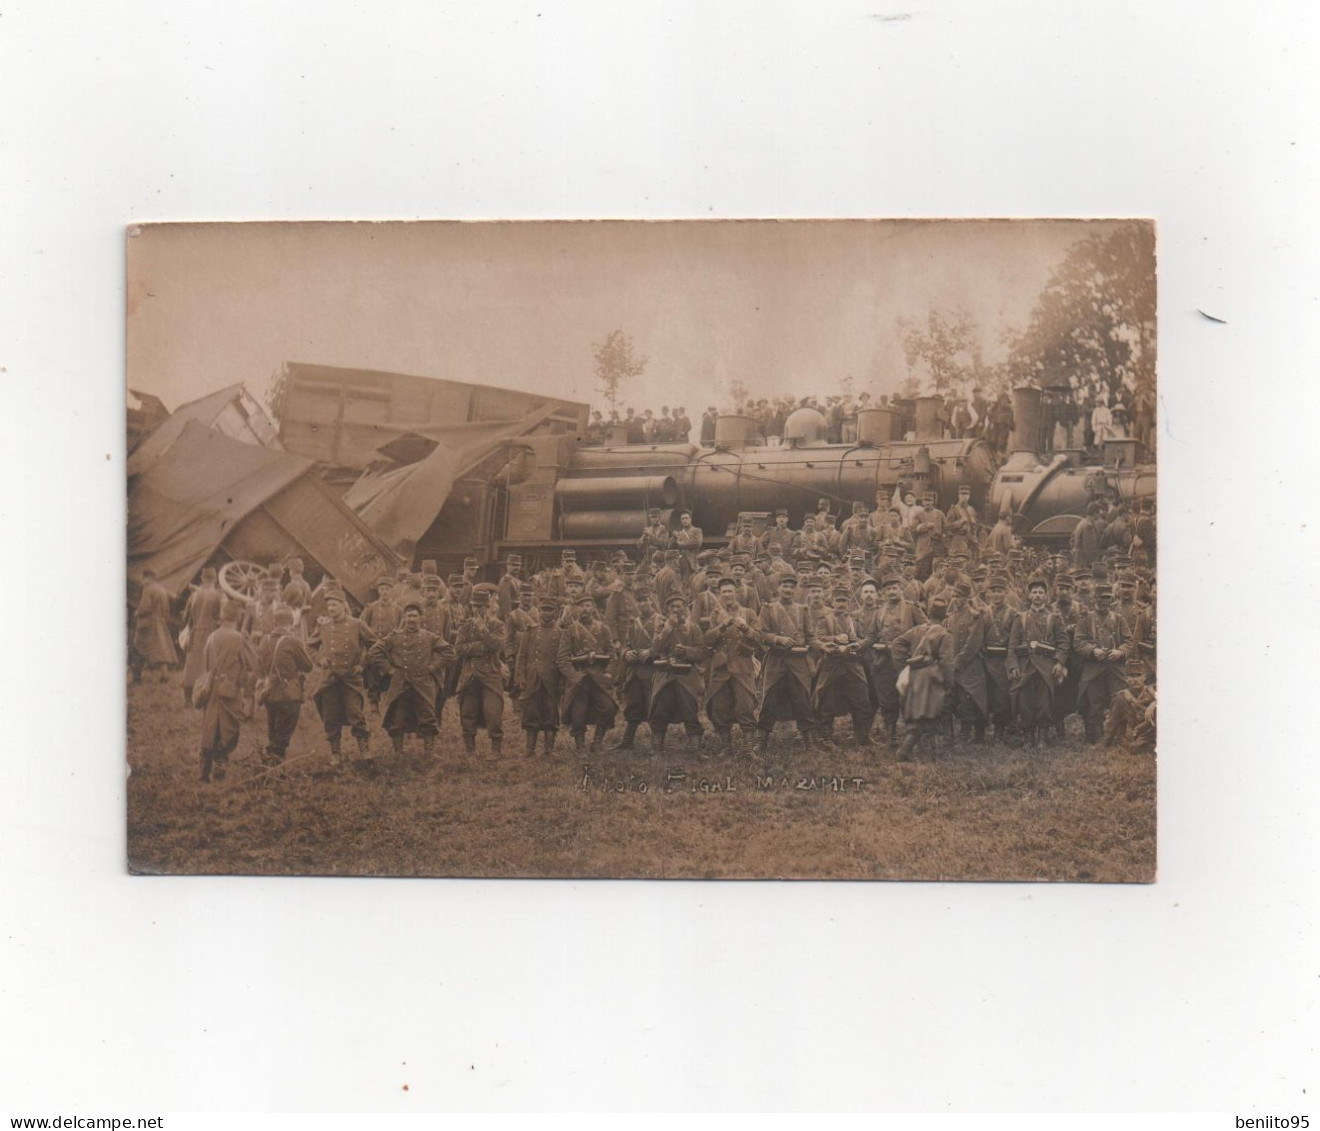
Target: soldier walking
(228,666)
(283,663)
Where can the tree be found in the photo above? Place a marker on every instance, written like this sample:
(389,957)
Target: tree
(1093,326)
(616,363)
(944,347)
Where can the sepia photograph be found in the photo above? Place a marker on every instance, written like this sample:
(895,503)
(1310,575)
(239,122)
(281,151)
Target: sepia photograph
(643,549)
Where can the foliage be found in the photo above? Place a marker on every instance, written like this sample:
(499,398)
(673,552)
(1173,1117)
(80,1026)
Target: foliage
(941,353)
(616,362)
(1093,326)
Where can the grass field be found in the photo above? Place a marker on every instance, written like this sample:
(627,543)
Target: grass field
(1063,812)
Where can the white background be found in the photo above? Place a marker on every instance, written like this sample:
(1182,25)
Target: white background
(1197,992)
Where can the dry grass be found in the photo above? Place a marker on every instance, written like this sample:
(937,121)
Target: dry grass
(1067,812)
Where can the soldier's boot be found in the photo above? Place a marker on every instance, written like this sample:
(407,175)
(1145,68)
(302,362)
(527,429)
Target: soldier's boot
(497,747)
(979,731)
(763,744)
(693,742)
(809,739)
(221,765)
(469,744)
(658,736)
(1094,729)
(550,736)
(579,741)
(334,752)
(206,766)
(428,749)
(396,744)
(629,737)
(531,743)
(364,746)
(1033,737)
(598,738)
(862,731)
(907,746)
(726,742)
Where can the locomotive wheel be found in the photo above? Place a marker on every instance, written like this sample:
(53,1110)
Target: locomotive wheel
(239,581)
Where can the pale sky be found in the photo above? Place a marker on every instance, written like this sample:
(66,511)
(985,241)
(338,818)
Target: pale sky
(787,306)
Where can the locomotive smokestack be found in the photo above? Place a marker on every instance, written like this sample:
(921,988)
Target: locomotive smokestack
(930,418)
(734,432)
(1026,420)
(878,426)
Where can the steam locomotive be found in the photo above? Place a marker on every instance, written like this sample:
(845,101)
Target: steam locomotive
(556,491)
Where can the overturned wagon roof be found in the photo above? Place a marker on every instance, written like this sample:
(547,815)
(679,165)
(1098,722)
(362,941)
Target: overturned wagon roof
(207,491)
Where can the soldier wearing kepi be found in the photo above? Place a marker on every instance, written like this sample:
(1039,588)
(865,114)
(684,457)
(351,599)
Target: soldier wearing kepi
(966,624)
(382,617)
(841,684)
(152,646)
(480,688)
(636,671)
(1102,643)
(785,675)
(998,629)
(961,527)
(537,680)
(885,625)
(202,616)
(927,653)
(415,659)
(1130,720)
(342,659)
(283,663)
(731,693)
(586,652)
(1037,661)
(676,687)
(229,663)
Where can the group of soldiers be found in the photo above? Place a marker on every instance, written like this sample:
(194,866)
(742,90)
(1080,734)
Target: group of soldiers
(919,626)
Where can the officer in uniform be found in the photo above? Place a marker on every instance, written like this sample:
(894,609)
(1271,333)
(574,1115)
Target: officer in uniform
(537,681)
(779,541)
(415,658)
(480,688)
(687,540)
(655,536)
(961,525)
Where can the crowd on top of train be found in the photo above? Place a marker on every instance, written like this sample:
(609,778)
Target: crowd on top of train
(921,626)
(1082,420)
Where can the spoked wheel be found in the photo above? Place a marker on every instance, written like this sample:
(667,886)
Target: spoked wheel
(241,580)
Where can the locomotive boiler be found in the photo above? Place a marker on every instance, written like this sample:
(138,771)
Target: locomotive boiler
(557,492)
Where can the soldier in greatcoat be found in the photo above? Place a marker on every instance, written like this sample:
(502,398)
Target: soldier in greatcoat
(382,616)
(511,585)
(282,665)
(893,617)
(202,616)
(342,658)
(621,605)
(841,686)
(926,651)
(441,616)
(153,647)
(678,652)
(731,689)
(785,692)
(586,654)
(1104,646)
(537,680)
(1037,661)
(1068,690)
(962,530)
(636,670)
(480,685)
(966,623)
(415,658)
(779,541)
(998,630)
(229,663)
